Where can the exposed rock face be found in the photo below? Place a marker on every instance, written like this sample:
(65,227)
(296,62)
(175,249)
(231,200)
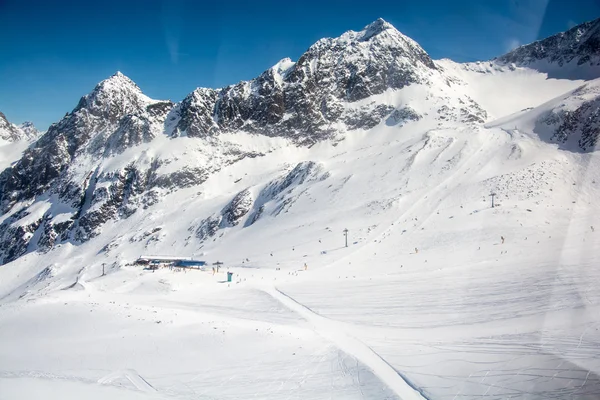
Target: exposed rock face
(196,114)
(275,197)
(302,172)
(135,129)
(402,115)
(469,111)
(577,120)
(209,227)
(237,208)
(229,216)
(583,121)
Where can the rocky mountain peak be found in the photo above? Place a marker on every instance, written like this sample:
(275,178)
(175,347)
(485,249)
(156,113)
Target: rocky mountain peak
(115,85)
(282,67)
(113,98)
(379,42)
(302,100)
(118,80)
(375,28)
(29,130)
(9,131)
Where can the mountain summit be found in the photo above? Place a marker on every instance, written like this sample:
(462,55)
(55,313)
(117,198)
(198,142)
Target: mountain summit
(375,28)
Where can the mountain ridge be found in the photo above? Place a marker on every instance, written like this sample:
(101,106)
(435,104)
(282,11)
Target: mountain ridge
(102,162)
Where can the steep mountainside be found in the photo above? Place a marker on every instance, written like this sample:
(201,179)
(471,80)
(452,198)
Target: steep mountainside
(572,119)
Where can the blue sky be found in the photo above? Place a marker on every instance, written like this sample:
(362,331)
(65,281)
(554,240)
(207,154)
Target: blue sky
(53,52)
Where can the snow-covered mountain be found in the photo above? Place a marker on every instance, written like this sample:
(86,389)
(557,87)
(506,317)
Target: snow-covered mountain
(106,159)
(14,139)
(10,132)
(339,85)
(365,132)
(30,132)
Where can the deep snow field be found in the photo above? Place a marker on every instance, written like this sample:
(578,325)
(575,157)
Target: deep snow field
(465,317)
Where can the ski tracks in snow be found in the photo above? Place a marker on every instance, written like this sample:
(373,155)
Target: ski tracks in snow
(133,377)
(334,332)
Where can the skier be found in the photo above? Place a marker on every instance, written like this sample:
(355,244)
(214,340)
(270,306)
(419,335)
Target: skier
(502,238)
(416,251)
(305,266)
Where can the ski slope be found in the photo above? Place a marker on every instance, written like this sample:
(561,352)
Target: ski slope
(436,296)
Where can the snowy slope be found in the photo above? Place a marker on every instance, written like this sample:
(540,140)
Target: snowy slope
(571,119)
(503,90)
(437,295)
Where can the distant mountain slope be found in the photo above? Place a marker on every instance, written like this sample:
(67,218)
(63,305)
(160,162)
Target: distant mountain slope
(560,54)
(10,132)
(14,139)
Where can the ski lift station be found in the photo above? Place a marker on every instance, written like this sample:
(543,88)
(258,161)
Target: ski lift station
(170,261)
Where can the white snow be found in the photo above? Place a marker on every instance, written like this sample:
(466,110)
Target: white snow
(502,90)
(34,213)
(62,217)
(11,152)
